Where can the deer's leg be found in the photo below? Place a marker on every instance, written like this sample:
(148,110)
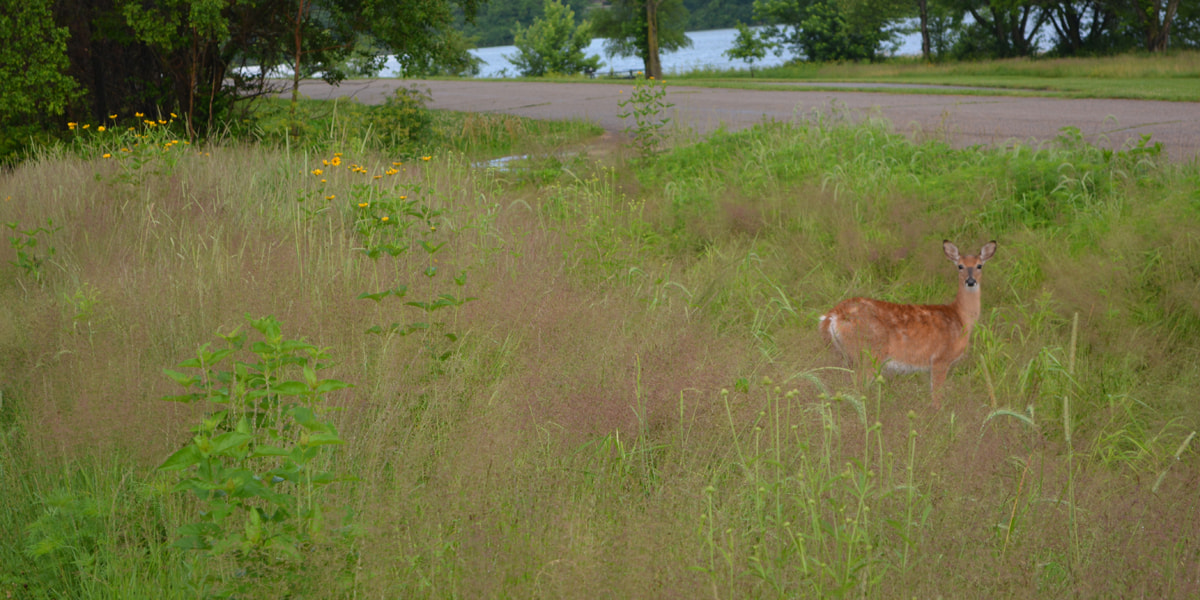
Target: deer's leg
(937,377)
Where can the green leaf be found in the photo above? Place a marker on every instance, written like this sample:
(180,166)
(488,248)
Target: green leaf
(430,248)
(324,439)
(185,398)
(268,326)
(181,459)
(230,440)
(329,385)
(290,388)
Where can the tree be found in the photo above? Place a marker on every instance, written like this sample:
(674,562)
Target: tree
(823,30)
(1001,28)
(1155,18)
(643,28)
(198,57)
(1084,26)
(554,44)
(33,64)
(497,19)
(748,46)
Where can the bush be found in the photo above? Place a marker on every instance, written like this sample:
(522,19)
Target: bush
(403,121)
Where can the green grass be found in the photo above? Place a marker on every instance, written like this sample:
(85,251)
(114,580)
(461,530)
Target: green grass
(1134,76)
(634,401)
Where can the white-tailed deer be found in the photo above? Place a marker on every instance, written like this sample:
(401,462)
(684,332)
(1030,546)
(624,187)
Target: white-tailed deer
(912,337)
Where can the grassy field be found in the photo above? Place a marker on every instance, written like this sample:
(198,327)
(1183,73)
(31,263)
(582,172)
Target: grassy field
(1135,76)
(592,374)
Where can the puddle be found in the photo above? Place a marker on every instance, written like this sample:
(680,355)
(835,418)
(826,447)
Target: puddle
(504,163)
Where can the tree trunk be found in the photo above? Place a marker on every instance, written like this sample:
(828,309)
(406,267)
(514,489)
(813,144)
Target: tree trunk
(1158,33)
(923,7)
(298,39)
(653,66)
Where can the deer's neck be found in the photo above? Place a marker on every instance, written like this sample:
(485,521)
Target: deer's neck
(968,305)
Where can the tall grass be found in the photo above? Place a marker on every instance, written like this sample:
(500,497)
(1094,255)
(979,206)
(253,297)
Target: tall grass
(635,402)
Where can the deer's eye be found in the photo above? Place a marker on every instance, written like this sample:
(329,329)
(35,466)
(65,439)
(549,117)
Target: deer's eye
(980,267)
(960,267)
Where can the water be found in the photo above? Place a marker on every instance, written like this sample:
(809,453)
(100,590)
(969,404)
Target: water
(706,53)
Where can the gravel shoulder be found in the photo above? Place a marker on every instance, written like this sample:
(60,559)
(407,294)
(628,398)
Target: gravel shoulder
(961,120)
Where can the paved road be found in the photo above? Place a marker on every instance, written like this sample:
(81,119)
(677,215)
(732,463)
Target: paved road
(963,120)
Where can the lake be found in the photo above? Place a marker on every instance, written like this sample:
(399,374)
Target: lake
(706,52)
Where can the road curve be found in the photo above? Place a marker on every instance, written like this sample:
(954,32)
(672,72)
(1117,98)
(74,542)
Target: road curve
(962,120)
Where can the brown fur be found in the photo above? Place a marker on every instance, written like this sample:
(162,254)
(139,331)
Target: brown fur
(912,337)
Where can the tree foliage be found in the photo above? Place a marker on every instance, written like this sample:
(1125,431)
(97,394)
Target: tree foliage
(749,46)
(824,30)
(643,28)
(553,44)
(198,57)
(33,63)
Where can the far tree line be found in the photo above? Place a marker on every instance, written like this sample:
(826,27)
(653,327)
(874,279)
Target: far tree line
(87,60)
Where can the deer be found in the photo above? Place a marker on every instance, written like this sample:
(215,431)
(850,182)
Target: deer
(907,338)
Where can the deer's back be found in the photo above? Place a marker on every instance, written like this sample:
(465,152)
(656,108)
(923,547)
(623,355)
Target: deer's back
(908,336)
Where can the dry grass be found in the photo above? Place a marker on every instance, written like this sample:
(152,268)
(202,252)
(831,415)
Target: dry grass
(637,404)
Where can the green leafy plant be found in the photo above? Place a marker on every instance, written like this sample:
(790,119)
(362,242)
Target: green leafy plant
(256,465)
(749,46)
(403,120)
(64,541)
(646,106)
(391,223)
(25,242)
(553,44)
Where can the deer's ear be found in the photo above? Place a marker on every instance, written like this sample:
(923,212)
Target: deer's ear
(951,250)
(988,250)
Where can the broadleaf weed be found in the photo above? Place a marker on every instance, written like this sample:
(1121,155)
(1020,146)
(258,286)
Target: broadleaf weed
(646,105)
(255,465)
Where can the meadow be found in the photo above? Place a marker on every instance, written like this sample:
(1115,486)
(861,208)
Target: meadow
(1140,76)
(323,370)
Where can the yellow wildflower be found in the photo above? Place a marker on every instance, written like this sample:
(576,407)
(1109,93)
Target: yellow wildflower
(112,117)
(404,197)
(139,115)
(317,171)
(107,155)
(86,125)
(322,181)
(162,122)
(100,128)
(426,158)
(363,204)
(396,163)
(331,196)
(384,219)
(174,116)
(377,177)
(71,125)
(337,160)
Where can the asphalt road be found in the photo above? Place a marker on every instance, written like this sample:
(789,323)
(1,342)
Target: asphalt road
(962,120)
